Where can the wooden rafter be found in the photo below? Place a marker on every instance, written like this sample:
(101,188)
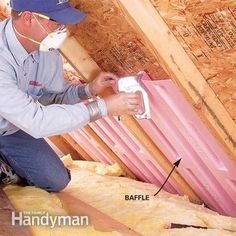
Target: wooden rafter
(65,147)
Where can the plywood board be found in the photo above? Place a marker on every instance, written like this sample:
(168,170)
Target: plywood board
(112,42)
(207,31)
(4,9)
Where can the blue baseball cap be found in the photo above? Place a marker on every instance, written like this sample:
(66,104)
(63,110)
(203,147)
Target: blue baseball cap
(57,10)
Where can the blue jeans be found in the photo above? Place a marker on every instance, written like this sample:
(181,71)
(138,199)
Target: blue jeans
(34,161)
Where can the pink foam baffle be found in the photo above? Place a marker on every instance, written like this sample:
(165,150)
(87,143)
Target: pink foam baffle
(178,131)
(127,148)
(91,146)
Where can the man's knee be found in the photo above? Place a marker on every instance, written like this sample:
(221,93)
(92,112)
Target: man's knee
(59,183)
(54,183)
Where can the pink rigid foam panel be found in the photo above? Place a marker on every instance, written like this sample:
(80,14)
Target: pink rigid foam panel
(178,132)
(127,148)
(91,147)
(131,152)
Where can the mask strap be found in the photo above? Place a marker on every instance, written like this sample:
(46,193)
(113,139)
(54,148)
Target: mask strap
(40,24)
(47,18)
(25,37)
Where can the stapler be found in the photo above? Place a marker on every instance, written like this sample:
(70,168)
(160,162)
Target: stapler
(131,84)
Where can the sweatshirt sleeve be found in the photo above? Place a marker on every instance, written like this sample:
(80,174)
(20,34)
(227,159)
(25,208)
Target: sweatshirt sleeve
(59,91)
(35,118)
(69,94)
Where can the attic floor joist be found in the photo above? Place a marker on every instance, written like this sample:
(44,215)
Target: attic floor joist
(6,210)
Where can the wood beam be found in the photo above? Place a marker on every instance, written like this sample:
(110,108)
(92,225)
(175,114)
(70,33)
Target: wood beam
(129,121)
(6,227)
(65,147)
(155,32)
(77,56)
(77,147)
(98,219)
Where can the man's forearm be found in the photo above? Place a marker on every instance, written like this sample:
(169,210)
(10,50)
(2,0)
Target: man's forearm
(72,94)
(84,92)
(97,109)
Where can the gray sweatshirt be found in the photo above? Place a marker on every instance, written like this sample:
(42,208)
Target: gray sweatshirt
(33,94)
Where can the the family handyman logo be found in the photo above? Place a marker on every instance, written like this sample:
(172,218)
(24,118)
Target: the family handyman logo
(45,219)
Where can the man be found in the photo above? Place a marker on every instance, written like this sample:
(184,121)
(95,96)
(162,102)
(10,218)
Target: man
(36,102)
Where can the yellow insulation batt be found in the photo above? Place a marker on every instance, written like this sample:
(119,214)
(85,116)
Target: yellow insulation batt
(95,167)
(34,201)
(107,194)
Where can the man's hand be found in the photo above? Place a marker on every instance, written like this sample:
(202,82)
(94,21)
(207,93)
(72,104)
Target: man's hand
(123,103)
(102,81)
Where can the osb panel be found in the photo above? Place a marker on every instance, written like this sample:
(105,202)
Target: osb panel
(112,42)
(207,31)
(4,10)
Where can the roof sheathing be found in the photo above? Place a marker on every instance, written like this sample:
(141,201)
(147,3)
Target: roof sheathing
(207,32)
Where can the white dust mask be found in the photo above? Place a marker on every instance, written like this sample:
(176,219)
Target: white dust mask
(52,41)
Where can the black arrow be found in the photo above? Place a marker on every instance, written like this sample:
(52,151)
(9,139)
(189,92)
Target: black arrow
(176,164)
